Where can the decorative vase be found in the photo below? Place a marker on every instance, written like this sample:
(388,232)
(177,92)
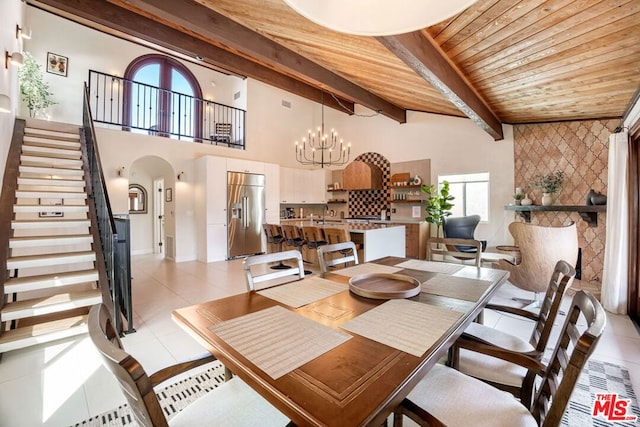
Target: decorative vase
(595,198)
(547,200)
(526,201)
(517,202)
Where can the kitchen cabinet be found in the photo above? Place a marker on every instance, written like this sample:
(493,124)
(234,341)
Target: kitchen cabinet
(272,193)
(246,166)
(210,207)
(299,186)
(416,235)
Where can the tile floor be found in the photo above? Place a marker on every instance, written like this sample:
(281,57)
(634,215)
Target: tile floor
(62,383)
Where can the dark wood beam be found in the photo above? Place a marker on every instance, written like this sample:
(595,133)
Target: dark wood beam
(211,24)
(133,27)
(424,56)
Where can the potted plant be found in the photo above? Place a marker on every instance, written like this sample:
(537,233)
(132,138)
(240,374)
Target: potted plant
(35,91)
(517,198)
(438,204)
(549,184)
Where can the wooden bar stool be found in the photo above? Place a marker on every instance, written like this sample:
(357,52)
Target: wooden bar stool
(293,237)
(314,236)
(274,235)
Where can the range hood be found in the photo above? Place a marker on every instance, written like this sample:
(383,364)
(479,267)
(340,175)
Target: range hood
(359,175)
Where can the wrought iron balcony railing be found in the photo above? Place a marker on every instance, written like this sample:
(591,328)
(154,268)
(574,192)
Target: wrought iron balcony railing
(139,107)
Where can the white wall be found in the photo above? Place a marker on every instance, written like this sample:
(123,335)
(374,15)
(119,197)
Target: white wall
(88,49)
(454,145)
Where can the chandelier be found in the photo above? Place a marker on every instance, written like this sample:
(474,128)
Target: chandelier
(321,149)
(378,17)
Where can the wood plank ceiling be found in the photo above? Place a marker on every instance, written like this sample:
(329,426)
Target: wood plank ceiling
(513,61)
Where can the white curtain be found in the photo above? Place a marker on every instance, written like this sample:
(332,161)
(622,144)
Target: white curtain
(614,276)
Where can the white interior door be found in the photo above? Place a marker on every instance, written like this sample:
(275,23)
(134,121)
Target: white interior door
(158,216)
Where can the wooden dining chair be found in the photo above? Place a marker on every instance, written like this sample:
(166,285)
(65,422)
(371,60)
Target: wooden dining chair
(448,397)
(254,276)
(346,253)
(231,403)
(447,250)
(468,355)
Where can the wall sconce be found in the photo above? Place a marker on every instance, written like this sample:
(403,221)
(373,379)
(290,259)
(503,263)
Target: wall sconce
(180,176)
(121,171)
(5,104)
(14,58)
(24,33)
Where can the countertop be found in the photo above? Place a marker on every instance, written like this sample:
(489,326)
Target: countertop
(333,220)
(352,227)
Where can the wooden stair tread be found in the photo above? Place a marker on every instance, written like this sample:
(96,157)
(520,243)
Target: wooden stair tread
(51,256)
(43,332)
(30,283)
(50,194)
(49,240)
(49,222)
(50,304)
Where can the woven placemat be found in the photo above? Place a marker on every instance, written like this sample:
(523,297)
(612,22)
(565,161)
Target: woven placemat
(366,268)
(405,325)
(456,287)
(278,340)
(436,267)
(303,292)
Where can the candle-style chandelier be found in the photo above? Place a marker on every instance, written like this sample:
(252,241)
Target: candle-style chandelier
(320,148)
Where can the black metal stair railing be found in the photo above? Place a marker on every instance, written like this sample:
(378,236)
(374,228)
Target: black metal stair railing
(113,233)
(138,107)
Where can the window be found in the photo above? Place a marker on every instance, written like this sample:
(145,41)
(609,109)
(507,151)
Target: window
(471,192)
(162,98)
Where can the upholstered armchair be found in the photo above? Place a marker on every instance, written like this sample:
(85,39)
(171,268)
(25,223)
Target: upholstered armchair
(462,227)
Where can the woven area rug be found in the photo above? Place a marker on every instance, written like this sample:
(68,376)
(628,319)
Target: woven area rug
(597,377)
(172,398)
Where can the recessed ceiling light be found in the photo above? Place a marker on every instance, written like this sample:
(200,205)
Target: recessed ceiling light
(199,58)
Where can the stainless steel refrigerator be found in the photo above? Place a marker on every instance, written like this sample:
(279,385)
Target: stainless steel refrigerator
(245,213)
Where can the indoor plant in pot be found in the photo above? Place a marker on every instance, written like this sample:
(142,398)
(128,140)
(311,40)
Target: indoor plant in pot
(35,91)
(549,184)
(438,204)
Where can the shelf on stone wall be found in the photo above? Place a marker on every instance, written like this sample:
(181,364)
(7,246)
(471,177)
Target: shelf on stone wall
(587,213)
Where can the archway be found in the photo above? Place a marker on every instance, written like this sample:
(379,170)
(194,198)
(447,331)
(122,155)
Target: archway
(151,230)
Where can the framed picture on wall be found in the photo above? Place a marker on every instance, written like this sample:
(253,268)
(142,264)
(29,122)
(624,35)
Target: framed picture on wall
(57,64)
(168,195)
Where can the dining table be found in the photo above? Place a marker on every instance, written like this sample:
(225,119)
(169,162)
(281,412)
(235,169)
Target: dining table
(325,353)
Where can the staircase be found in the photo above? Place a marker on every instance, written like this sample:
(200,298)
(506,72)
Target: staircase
(53,277)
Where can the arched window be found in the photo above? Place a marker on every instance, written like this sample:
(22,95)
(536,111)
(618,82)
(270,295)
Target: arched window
(162,97)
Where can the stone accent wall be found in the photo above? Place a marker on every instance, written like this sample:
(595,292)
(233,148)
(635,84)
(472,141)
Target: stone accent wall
(581,150)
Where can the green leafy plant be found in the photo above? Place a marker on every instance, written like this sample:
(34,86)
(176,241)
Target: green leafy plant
(35,91)
(549,183)
(438,204)
(518,196)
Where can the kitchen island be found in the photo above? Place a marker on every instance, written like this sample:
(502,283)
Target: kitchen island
(377,240)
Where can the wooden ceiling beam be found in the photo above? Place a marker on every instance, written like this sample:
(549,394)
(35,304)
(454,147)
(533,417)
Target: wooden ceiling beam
(200,19)
(420,52)
(133,27)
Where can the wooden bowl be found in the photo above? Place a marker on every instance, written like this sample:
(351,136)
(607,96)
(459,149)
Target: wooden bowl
(384,286)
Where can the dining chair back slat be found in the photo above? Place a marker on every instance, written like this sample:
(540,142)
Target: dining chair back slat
(337,254)
(446,249)
(253,277)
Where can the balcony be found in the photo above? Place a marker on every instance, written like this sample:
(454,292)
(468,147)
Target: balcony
(142,108)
